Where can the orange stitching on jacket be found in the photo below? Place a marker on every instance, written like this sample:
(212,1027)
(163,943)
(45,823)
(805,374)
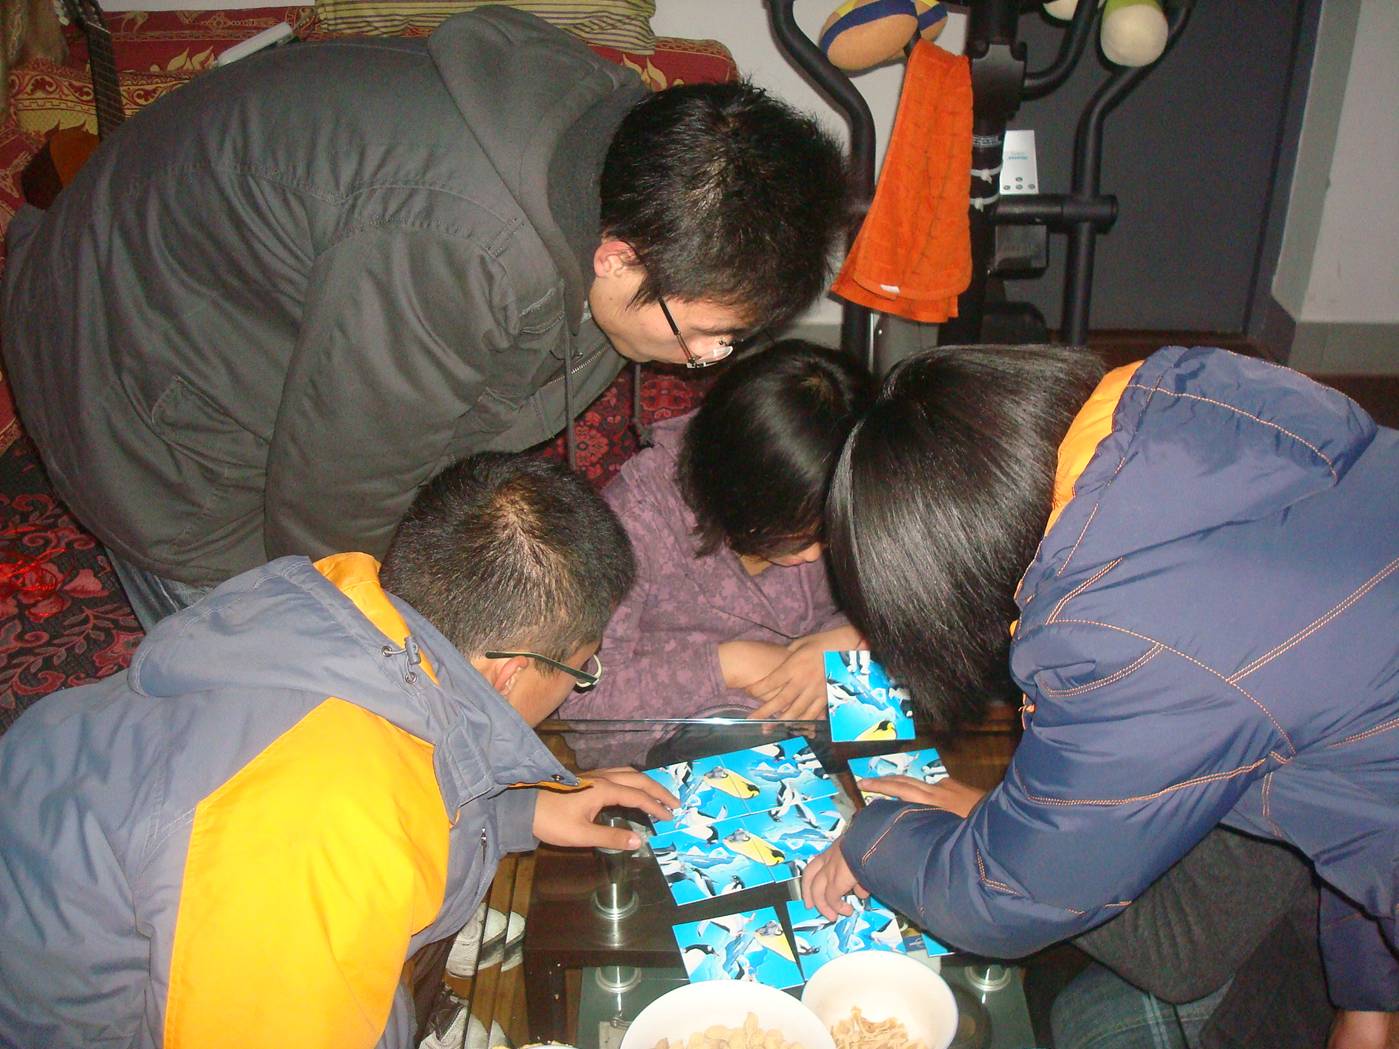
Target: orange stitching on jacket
(875,844)
(1268,806)
(1110,679)
(1210,778)
(1248,415)
(1203,666)
(981,870)
(1348,918)
(1383,726)
(1082,587)
(1306,632)
(1084,532)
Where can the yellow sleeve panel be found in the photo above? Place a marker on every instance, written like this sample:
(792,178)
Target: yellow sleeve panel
(1092,423)
(307,873)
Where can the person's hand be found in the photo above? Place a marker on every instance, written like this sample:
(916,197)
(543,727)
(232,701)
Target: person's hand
(566,817)
(744,662)
(796,688)
(947,794)
(826,882)
(1362,1030)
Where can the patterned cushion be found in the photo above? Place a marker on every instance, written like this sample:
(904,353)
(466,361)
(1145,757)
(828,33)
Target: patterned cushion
(623,24)
(677,61)
(46,96)
(187,41)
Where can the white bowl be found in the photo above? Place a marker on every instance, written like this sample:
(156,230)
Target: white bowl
(884,984)
(695,1007)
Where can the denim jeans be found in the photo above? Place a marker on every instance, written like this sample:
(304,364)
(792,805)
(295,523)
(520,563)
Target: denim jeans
(1100,1010)
(154,597)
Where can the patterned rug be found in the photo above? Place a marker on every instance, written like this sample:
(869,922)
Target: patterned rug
(63,617)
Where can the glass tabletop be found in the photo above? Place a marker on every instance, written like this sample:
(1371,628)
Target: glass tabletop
(581,942)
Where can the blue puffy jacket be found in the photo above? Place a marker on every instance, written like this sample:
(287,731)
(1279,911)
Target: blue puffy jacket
(1209,634)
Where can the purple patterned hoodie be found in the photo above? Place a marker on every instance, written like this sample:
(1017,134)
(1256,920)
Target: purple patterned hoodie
(660,650)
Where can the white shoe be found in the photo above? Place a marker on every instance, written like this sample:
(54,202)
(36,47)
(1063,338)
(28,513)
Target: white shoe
(464,1031)
(480,944)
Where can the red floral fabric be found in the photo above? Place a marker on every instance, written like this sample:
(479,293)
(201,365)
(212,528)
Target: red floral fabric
(63,617)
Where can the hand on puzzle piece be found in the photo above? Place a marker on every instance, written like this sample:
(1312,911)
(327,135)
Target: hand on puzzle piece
(796,688)
(567,818)
(948,794)
(826,882)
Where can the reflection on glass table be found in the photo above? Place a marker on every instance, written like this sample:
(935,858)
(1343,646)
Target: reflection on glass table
(600,941)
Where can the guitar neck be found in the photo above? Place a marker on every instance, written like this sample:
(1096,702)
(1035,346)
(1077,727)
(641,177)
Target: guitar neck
(105,87)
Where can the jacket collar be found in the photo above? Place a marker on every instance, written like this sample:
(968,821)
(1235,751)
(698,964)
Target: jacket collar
(482,745)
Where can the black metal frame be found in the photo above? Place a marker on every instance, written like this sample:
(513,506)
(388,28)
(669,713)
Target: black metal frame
(999,82)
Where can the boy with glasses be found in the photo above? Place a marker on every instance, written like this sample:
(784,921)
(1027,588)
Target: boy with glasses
(255,327)
(308,776)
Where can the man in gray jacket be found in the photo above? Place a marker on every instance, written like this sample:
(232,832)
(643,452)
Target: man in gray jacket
(307,777)
(280,299)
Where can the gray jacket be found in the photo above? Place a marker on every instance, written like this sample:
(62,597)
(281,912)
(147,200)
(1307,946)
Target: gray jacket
(251,828)
(280,299)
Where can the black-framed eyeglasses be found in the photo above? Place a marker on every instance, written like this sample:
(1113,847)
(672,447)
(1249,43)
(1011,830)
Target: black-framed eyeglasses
(586,678)
(720,351)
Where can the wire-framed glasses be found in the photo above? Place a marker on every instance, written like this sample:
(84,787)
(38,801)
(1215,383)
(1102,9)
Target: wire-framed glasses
(720,351)
(586,678)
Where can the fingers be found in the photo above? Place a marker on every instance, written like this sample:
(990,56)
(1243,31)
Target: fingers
(629,777)
(825,882)
(595,835)
(905,788)
(771,709)
(611,792)
(813,706)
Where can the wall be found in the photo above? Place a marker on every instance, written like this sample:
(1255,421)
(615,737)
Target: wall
(1338,271)
(1189,154)
(743,27)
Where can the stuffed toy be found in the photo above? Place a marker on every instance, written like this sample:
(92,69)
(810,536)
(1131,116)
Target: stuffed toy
(864,33)
(1133,31)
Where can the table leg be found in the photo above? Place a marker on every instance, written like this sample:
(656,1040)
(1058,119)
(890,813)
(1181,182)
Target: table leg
(546,998)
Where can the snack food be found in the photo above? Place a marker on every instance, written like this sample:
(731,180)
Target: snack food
(717,1036)
(856,1032)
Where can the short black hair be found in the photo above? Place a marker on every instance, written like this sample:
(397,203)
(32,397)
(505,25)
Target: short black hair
(938,503)
(511,552)
(727,195)
(756,459)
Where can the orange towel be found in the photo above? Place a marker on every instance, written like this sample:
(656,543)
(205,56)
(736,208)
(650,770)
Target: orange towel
(912,256)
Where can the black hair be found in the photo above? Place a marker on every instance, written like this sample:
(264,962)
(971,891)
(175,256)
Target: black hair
(756,459)
(511,552)
(727,195)
(937,506)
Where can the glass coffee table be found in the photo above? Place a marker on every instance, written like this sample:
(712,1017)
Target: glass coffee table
(598,942)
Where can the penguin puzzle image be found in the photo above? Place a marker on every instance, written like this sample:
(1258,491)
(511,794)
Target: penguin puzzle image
(925,765)
(863,704)
(747,945)
(746,818)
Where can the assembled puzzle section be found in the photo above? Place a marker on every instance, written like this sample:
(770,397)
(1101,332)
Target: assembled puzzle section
(746,818)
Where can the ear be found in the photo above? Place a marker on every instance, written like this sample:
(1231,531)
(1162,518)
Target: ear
(502,674)
(612,257)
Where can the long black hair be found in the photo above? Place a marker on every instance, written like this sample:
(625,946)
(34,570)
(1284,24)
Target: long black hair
(756,459)
(937,504)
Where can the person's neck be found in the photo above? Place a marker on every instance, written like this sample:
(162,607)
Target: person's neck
(754,565)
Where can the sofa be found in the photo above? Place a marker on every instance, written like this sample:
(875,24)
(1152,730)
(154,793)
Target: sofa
(63,617)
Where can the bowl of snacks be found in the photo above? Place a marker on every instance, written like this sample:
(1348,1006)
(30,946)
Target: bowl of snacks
(882,1000)
(733,1013)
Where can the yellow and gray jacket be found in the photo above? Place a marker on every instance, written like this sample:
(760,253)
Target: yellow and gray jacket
(239,840)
